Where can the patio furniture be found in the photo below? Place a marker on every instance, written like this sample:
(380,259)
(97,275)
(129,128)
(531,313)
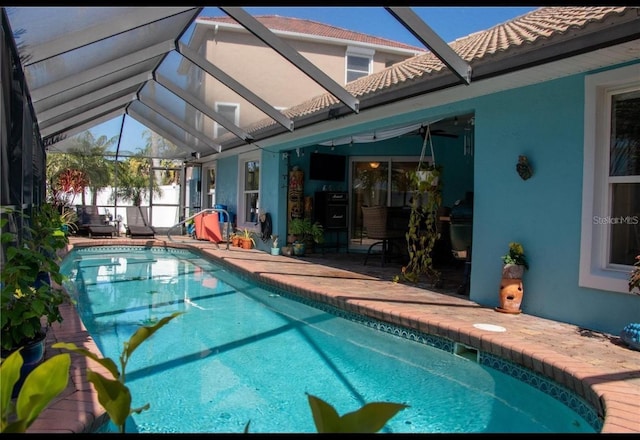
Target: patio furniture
(92,223)
(374,220)
(138,223)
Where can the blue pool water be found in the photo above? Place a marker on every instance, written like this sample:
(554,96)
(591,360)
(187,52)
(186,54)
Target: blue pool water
(244,353)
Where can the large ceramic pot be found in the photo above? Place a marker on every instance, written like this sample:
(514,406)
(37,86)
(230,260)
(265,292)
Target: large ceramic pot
(511,292)
(32,356)
(631,335)
(299,248)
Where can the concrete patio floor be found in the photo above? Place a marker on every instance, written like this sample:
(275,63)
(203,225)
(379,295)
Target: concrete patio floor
(597,366)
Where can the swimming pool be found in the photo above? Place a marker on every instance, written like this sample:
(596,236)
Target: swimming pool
(247,353)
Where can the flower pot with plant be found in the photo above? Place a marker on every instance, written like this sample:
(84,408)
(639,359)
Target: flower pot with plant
(29,302)
(422,232)
(246,239)
(511,288)
(275,250)
(307,233)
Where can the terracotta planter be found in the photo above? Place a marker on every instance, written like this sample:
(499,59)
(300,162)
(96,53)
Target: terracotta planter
(245,243)
(235,241)
(511,292)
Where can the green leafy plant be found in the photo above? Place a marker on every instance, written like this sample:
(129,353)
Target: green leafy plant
(274,241)
(40,387)
(247,234)
(369,418)
(422,232)
(307,231)
(113,394)
(515,255)
(30,266)
(634,277)
(68,220)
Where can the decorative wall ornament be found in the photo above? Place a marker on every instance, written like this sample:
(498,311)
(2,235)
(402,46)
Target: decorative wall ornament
(523,168)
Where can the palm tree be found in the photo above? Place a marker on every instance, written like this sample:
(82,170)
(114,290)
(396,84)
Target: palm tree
(134,180)
(89,155)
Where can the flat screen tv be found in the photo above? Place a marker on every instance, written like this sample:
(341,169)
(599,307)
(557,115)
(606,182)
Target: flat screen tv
(330,167)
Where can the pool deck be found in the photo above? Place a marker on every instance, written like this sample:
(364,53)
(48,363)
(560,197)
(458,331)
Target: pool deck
(597,366)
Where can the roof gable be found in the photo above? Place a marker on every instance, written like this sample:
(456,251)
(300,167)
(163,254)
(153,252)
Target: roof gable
(317,29)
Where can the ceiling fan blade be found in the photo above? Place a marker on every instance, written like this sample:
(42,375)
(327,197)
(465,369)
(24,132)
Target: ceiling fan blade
(444,134)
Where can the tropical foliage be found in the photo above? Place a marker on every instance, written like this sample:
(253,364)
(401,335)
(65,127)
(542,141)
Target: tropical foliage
(423,221)
(515,255)
(27,298)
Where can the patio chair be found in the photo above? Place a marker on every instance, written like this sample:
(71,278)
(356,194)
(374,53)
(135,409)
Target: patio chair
(374,220)
(92,223)
(138,223)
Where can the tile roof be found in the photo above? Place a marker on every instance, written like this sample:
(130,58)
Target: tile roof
(310,27)
(526,32)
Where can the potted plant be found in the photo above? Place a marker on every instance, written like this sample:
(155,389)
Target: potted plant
(68,220)
(422,232)
(275,250)
(511,289)
(514,261)
(30,303)
(246,239)
(306,232)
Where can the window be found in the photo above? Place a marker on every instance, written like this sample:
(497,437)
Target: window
(358,63)
(611,185)
(249,185)
(229,112)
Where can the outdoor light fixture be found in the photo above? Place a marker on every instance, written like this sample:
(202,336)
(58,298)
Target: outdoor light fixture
(196,154)
(374,165)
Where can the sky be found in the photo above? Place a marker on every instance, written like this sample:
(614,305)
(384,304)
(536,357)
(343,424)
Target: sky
(449,23)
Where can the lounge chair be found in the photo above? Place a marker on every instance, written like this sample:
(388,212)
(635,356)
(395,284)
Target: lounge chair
(94,224)
(138,223)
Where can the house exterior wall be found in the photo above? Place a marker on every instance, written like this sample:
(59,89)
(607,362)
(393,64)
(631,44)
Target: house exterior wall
(249,61)
(545,122)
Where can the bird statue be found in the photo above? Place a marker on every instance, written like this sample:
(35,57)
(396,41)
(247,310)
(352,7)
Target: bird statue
(523,168)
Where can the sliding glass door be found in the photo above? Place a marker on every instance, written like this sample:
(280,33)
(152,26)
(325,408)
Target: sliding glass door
(377,181)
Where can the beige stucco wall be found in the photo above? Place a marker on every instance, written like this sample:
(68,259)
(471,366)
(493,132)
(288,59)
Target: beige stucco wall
(250,61)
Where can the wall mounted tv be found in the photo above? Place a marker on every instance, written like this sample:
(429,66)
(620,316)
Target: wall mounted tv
(329,167)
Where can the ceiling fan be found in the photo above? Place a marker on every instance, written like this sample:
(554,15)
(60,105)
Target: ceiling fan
(422,131)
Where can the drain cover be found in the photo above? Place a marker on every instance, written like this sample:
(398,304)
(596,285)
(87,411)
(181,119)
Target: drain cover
(490,327)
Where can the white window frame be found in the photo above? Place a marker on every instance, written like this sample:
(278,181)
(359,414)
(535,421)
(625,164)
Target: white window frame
(358,52)
(242,160)
(236,117)
(595,271)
